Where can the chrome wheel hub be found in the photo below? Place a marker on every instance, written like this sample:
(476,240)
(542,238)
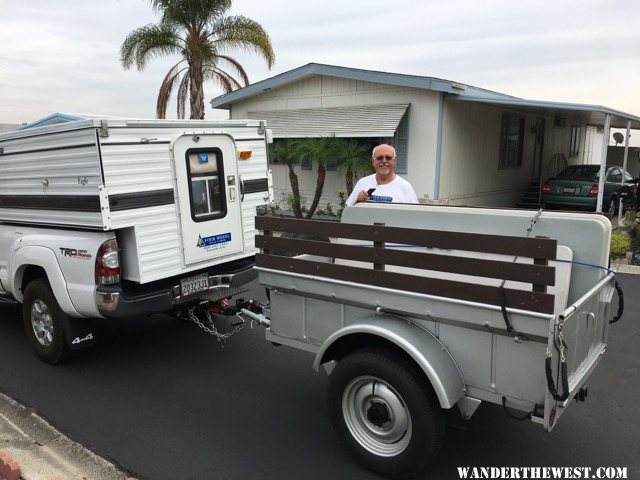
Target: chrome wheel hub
(376,416)
(42,323)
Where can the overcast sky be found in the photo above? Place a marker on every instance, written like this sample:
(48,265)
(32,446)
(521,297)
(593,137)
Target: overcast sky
(63,55)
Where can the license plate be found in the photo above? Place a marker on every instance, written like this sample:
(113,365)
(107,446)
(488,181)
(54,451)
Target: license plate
(194,284)
(568,190)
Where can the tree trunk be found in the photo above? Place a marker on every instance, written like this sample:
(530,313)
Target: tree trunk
(196,91)
(349,181)
(322,173)
(295,188)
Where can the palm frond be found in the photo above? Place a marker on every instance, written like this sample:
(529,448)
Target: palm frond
(224,79)
(182,96)
(240,32)
(148,42)
(166,87)
(191,13)
(235,65)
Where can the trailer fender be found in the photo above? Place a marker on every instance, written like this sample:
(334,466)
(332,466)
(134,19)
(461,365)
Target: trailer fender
(46,259)
(421,345)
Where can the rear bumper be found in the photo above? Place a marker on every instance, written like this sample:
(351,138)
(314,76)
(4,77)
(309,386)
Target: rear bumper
(588,203)
(118,303)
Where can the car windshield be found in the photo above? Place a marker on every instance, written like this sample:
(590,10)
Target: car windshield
(580,172)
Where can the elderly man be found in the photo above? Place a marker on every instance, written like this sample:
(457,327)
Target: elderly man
(384,185)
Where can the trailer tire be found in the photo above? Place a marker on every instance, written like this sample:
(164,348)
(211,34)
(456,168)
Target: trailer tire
(384,412)
(43,322)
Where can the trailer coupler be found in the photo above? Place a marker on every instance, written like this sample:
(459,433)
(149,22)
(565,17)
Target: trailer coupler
(259,318)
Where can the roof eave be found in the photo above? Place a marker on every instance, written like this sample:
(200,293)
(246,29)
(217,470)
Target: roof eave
(412,81)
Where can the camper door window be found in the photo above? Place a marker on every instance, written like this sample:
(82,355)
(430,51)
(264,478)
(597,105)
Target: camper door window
(205,184)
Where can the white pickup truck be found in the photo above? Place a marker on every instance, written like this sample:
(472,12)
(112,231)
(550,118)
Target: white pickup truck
(113,218)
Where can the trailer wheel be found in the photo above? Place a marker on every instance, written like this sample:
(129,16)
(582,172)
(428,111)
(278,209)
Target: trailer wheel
(43,319)
(384,413)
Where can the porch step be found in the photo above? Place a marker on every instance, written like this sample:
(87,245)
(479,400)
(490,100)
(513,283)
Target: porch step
(531,197)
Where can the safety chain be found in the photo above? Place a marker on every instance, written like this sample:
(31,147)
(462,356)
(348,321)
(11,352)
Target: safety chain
(560,343)
(533,222)
(211,329)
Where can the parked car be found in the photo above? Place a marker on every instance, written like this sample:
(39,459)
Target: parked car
(577,186)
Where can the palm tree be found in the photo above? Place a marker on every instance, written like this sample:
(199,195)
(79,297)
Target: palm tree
(319,150)
(284,153)
(202,35)
(354,157)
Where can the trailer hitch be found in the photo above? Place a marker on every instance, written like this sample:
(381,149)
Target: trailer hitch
(242,313)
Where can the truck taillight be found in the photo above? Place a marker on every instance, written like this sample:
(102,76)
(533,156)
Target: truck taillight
(594,190)
(108,264)
(545,187)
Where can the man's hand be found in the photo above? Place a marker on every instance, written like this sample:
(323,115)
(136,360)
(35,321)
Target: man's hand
(362,196)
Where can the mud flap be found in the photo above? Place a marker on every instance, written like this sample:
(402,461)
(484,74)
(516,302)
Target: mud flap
(78,332)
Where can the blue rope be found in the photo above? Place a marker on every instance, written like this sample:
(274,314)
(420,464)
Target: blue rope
(584,264)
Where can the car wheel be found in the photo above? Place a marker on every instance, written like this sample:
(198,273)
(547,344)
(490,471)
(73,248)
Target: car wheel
(43,319)
(384,412)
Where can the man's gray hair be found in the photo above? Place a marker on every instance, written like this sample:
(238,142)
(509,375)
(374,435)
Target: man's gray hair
(373,154)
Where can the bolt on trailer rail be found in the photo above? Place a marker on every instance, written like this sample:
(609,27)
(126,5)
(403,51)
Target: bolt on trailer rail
(415,309)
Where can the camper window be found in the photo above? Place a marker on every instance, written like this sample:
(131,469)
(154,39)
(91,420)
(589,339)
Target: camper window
(206,188)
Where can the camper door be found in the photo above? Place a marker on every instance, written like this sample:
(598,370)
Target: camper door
(208,196)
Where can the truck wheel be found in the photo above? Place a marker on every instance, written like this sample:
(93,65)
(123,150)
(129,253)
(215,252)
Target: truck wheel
(43,319)
(384,413)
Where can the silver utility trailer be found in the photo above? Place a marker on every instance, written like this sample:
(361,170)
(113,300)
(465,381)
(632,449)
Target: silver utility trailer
(416,309)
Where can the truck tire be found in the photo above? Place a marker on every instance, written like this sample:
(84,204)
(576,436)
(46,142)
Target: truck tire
(43,320)
(384,412)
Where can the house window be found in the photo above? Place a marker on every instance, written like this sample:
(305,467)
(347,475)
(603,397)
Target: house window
(206,187)
(511,141)
(574,148)
(401,144)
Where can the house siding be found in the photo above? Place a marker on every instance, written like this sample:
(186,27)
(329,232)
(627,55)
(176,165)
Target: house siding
(326,92)
(470,153)
(469,173)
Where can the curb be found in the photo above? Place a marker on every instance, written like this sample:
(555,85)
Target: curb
(9,468)
(32,449)
(624,268)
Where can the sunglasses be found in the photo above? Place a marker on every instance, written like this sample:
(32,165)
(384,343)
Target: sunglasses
(383,157)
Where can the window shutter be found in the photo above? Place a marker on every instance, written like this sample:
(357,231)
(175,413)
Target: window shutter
(401,144)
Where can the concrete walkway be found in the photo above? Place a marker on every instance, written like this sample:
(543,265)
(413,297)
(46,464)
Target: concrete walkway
(31,449)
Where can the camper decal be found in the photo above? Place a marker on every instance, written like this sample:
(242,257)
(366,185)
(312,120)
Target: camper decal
(214,242)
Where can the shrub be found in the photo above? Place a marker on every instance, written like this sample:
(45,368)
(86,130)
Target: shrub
(631,225)
(620,244)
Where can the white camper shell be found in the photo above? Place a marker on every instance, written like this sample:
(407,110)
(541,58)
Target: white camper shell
(180,194)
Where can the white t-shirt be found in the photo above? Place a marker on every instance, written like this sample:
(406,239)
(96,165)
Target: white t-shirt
(397,191)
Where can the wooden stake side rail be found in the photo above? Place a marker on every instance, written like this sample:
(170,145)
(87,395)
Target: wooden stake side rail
(539,274)
(477,242)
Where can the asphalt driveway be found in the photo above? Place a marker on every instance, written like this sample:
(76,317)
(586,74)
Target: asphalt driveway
(163,400)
